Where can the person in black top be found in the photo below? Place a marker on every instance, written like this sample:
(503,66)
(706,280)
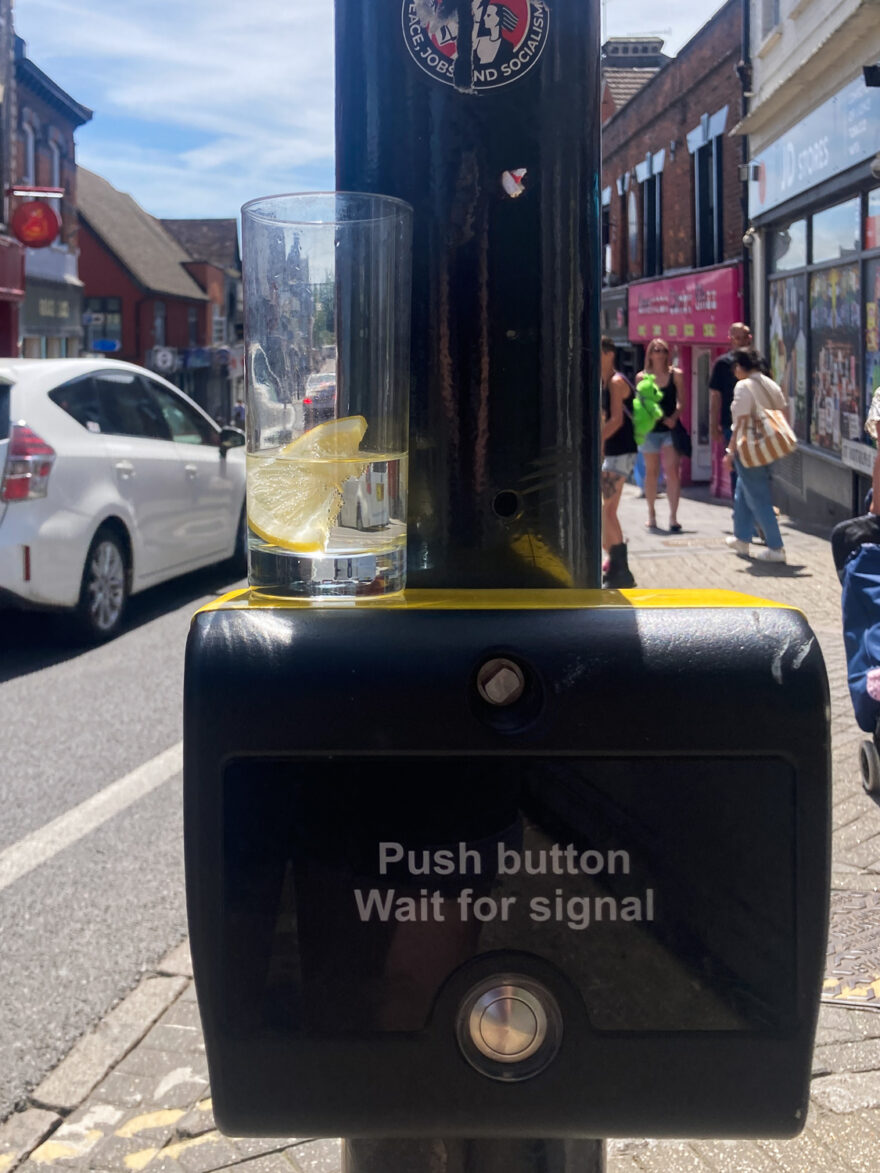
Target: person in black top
(721,384)
(619,458)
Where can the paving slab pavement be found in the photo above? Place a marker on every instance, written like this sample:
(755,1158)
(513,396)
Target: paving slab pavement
(134,1093)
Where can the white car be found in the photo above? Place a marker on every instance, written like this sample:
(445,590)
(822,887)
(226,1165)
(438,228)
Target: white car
(111,480)
(365,499)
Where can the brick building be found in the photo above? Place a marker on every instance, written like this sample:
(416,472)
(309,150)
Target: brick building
(47,117)
(142,303)
(672,207)
(216,265)
(628,63)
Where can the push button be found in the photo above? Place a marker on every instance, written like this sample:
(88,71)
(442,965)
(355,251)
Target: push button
(508,1024)
(509,1027)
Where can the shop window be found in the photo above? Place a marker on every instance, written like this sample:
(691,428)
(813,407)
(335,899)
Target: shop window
(788,345)
(872,220)
(872,332)
(836,232)
(103,320)
(606,236)
(836,412)
(788,247)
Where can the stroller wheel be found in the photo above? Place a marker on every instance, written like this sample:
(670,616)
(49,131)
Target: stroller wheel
(869,761)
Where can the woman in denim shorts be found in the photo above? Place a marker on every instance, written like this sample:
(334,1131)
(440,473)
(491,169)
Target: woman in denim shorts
(658,442)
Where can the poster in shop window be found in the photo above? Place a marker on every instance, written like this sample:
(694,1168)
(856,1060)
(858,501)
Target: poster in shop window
(837,412)
(788,346)
(872,331)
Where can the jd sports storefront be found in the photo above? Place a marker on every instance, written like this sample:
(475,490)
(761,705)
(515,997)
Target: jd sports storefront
(815,197)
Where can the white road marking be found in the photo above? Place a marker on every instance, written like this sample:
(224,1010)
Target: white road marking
(41,845)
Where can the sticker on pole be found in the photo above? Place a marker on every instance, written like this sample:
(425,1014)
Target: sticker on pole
(489,46)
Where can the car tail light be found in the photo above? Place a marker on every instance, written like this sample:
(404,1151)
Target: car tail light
(29,461)
(307,401)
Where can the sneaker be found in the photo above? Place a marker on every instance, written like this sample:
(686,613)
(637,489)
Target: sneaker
(741,548)
(768,555)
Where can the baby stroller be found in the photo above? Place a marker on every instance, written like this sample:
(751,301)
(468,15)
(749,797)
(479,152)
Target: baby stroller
(855,545)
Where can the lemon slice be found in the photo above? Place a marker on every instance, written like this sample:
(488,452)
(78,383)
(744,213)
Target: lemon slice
(294,495)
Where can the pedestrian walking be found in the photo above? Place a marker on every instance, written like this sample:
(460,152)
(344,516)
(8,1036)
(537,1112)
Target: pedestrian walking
(722,381)
(753,503)
(659,443)
(619,457)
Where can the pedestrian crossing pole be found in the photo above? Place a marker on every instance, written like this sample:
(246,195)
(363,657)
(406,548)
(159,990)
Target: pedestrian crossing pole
(484,871)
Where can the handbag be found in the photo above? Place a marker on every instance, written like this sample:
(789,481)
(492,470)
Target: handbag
(764,436)
(681,440)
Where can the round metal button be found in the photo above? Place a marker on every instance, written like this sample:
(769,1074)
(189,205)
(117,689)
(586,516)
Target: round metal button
(507,1023)
(508,1027)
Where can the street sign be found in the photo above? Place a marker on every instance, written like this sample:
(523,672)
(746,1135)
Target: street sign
(93,319)
(106,345)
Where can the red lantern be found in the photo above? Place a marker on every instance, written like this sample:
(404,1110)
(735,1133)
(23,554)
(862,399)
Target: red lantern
(35,223)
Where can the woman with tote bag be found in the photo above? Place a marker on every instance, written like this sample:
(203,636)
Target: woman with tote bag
(755,396)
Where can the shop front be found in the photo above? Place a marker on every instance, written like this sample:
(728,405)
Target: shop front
(614,319)
(11,293)
(815,198)
(51,319)
(693,312)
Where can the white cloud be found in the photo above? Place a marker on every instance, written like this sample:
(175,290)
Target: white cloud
(223,100)
(253,83)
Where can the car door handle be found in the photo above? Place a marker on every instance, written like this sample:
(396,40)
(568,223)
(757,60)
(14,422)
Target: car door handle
(125,469)
(192,471)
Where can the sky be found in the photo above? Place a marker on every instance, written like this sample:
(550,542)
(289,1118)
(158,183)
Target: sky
(201,105)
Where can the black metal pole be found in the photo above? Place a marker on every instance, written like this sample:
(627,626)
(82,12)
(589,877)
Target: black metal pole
(497,148)
(492,1155)
(500,163)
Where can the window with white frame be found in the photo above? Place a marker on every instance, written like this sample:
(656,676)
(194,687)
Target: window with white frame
(55,177)
(606,234)
(769,16)
(622,251)
(648,174)
(29,161)
(705,146)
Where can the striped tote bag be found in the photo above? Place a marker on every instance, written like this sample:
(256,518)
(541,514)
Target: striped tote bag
(765,435)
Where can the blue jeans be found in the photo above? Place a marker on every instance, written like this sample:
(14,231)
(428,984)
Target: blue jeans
(753,505)
(728,432)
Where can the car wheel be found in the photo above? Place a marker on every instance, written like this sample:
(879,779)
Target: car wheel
(104,591)
(240,554)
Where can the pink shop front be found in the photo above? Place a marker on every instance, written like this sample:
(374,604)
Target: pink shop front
(693,313)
